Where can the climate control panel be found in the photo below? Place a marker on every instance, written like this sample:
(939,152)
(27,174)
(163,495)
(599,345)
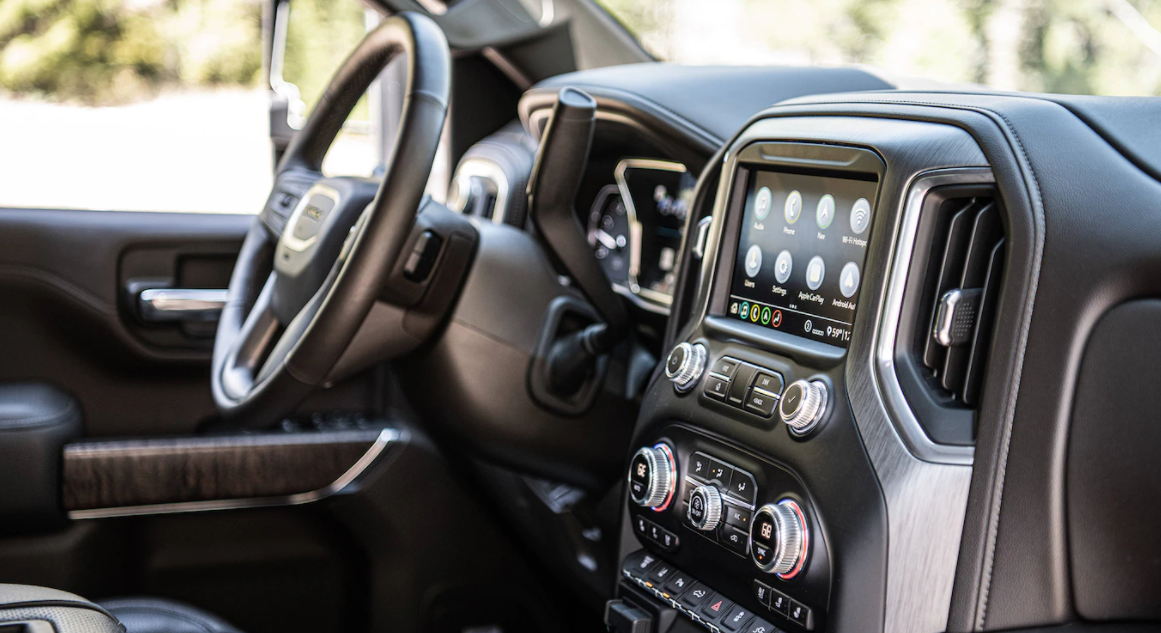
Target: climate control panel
(732,519)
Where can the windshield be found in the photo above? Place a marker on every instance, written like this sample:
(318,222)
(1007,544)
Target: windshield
(1105,47)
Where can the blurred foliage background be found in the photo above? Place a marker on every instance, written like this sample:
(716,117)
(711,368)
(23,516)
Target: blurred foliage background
(1069,46)
(112,52)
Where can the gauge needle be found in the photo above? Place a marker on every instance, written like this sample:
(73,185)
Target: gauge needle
(608,241)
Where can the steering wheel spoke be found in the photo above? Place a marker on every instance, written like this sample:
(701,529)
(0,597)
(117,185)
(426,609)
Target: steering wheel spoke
(253,344)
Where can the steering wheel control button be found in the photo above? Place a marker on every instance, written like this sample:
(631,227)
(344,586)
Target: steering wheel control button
(779,539)
(652,477)
(803,405)
(705,508)
(685,365)
(735,540)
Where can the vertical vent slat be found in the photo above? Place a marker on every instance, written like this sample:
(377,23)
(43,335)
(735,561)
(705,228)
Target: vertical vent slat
(962,297)
(974,376)
(950,271)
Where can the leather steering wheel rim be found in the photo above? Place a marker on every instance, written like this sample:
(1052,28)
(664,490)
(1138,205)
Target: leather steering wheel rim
(262,368)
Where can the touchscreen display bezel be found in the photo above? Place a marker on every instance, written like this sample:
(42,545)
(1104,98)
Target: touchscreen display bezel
(844,162)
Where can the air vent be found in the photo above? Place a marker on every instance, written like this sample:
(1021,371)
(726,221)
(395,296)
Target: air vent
(965,271)
(479,188)
(481,198)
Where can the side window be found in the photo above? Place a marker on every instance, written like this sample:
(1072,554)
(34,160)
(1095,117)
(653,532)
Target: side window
(149,105)
(133,105)
(318,37)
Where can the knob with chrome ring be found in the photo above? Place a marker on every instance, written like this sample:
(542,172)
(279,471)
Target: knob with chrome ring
(779,539)
(685,365)
(803,405)
(705,508)
(652,477)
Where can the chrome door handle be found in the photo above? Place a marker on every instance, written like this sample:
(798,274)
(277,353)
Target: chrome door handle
(179,304)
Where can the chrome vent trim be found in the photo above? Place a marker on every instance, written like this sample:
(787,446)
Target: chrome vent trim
(906,424)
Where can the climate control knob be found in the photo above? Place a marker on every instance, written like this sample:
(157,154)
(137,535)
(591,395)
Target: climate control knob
(802,405)
(652,475)
(685,365)
(779,539)
(705,508)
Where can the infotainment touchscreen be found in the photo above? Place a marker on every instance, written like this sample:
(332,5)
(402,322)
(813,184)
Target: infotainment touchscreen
(801,251)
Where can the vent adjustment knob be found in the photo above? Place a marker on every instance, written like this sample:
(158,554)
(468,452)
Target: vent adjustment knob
(685,365)
(803,405)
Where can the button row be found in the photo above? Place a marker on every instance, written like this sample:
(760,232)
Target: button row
(653,533)
(734,481)
(749,387)
(691,597)
(784,606)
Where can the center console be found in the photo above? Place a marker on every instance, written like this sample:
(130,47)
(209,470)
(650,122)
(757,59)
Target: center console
(773,487)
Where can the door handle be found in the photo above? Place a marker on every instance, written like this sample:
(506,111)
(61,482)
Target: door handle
(181,304)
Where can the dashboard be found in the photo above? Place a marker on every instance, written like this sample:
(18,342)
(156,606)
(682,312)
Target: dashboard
(636,227)
(883,311)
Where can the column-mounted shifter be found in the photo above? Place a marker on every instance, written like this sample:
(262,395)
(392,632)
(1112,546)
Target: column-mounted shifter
(653,477)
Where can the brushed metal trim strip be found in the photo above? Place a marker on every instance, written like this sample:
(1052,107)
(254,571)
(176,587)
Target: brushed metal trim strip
(385,438)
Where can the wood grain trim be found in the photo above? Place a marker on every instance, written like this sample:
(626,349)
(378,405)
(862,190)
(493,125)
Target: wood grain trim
(128,473)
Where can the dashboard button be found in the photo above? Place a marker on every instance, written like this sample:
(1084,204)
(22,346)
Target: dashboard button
(705,508)
(743,376)
(762,592)
(742,486)
(738,517)
(800,614)
(679,581)
(715,608)
(758,625)
(720,472)
(663,537)
(770,382)
(779,602)
(737,618)
(661,573)
(717,387)
(761,402)
(699,466)
(696,595)
(734,539)
(725,366)
(685,365)
(641,527)
(639,563)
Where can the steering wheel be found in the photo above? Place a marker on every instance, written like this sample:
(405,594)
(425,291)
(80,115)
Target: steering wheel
(299,292)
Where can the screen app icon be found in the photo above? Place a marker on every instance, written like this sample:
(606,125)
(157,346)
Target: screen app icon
(762,203)
(753,261)
(860,216)
(793,207)
(815,271)
(825,212)
(782,267)
(849,280)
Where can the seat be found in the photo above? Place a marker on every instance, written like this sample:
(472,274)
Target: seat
(157,615)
